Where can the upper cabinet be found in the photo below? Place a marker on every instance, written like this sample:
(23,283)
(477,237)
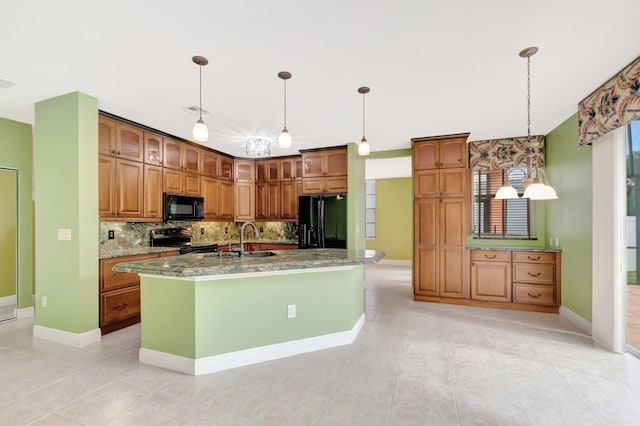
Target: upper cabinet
(330,162)
(106,136)
(431,153)
(181,156)
(245,193)
(129,142)
(268,170)
(291,168)
(153,148)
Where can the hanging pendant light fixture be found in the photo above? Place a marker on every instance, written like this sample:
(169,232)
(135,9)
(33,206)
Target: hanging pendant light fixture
(363,146)
(536,188)
(284,141)
(200,130)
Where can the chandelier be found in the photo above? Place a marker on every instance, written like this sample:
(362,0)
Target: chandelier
(258,147)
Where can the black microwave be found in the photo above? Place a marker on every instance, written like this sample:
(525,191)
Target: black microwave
(182,207)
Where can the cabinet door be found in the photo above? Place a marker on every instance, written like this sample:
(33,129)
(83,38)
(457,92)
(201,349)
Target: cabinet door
(172,181)
(426,155)
(426,183)
(491,281)
(129,142)
(453,153)
(288,168)
(153,149)
(111,280)
(211,194)
(106,136)
(313,164)
(336,162)
(335,184)
(312,185)
(273,170)
(210,164)
(129,187)
(273,195)
(453,253)
(245,171)
(245,199)
(287,205)
(261,171)
(119,304)
(192,185)
(191,158)
(226,204)
(226,168)
(262,200)
(106,186)
(426,248)
(454,182)
(172,154)
(152,192)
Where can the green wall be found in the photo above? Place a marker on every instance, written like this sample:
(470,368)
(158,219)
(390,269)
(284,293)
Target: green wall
(394,218)
(15,152)
(66,155)
(569,217)
(8,232)
(355,199)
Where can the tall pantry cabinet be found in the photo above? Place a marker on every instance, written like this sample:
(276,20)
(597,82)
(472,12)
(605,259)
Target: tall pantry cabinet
(441,217)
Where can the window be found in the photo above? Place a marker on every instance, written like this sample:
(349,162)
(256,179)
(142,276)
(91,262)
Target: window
(370,209)
(501,218)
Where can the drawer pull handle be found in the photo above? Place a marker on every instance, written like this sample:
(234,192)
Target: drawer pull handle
(535,296)
(534,258)
(490,257)
(537,274)
(120,307)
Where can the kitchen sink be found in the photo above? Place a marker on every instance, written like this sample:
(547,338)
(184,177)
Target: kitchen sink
(258,253)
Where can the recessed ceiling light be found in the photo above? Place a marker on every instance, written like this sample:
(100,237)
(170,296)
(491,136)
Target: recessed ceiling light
(195,110)
(5,84)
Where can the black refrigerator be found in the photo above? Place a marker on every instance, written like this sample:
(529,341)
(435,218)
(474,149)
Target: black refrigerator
(322,221)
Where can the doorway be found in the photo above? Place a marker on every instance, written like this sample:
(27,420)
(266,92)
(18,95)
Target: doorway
(632,236)
(8,243)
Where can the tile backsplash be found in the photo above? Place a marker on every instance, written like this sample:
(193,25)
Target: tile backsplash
(136,234)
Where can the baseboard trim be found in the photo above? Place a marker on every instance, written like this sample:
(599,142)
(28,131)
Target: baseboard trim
(28,312)
(576,320)
(66,337)
(212,364)
(9,300)
(396,262)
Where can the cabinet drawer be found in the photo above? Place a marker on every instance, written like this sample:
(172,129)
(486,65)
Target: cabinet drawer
(119,304)
(530,273)
(491,255)
(534,294)
(110,280)
(533,257)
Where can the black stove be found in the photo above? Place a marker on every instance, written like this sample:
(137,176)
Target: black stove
(179,238)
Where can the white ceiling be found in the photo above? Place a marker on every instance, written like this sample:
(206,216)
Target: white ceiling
(434,67)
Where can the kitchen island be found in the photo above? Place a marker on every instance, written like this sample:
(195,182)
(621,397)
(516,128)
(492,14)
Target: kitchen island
(203,313)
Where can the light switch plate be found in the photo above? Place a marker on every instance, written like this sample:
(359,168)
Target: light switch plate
(64,234)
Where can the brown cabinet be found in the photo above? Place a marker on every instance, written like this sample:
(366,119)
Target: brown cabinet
(106,136)
(216,165)
(119,293)
(324,171)
(181,183)
(181,156)
(129,142)
(441,225)
(245,194)
(491,275)
(520,279)
(291,168)
(120,188)
(268,170)
(289,192)
(152,191)
(440,152)
(153,148)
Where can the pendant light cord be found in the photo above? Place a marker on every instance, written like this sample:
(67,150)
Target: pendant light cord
(285,103)
(529,98)
(363,116)
(200,66)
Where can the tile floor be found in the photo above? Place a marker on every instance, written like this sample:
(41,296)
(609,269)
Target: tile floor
(413,364)
(633,316)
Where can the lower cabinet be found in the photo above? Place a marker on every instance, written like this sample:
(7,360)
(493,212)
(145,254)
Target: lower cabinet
(491,275)
(119,293)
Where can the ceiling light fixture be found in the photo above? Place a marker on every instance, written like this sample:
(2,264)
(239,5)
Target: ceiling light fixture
(200,130)
(536,188)
(363,146)
(258,147)
(284,141)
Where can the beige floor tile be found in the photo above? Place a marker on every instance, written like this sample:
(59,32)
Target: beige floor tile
(203,415)
(18,413)
(292,405)
(422,403)
(241,395)
(549,413)
(53,420)
(156,409)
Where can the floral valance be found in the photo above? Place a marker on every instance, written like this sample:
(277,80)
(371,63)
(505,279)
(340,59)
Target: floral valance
(614,104)
(496,154)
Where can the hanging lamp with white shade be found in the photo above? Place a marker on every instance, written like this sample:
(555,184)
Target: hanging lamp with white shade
(284,141)
(363,146)
(200,130)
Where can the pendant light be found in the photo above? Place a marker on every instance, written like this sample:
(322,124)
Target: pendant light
(363,146)
(284,141)
(200,130)
(536,188)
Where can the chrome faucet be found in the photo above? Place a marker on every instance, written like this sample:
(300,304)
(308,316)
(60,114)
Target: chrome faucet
(255,230)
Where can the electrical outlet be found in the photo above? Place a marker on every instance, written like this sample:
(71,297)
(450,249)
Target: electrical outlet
(43,301)
(201,231)
(226,230)
(556,241)
(261,229)
(291,311)
(112,234)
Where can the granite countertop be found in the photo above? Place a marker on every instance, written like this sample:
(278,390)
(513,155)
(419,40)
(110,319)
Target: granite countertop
(108,254)
(536,249)
(212,264)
